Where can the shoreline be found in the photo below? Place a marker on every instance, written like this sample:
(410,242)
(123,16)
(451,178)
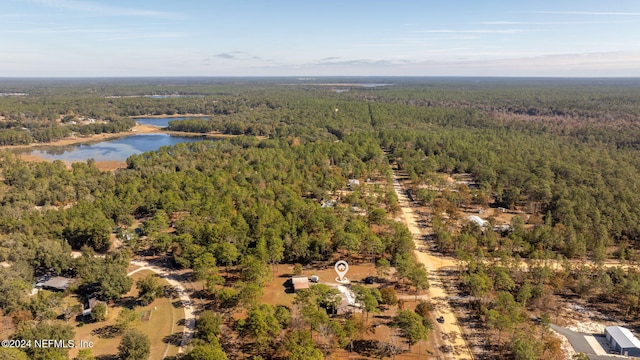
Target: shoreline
(138,129)
(108,165)
(165,116)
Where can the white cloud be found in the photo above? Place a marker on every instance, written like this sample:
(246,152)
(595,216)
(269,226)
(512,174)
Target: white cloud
(13,16)
(604,64)
(548,22)
(239,56)
(100,9)
(475,31)
(151,35)
(587,13)
(388,45)
(601,64)
(360,62)
(60,29)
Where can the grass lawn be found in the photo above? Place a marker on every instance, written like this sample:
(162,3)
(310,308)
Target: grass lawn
(161,314)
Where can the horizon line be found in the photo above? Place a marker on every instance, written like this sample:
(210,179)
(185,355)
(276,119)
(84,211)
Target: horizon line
(310,77)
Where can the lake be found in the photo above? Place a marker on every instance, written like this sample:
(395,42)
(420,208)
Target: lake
(112,150)
(164,122)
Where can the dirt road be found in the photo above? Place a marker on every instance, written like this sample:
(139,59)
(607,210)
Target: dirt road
(449,331)
(189,316)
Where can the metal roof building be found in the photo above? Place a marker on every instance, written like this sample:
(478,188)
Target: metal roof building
(622,340)
(300,282)
(56,283)
(478,220)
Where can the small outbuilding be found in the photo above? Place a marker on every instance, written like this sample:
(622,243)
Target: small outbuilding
(300,282)
(56,283)
(622,341)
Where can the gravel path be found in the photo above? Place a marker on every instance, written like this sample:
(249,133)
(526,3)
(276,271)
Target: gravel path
(185,299)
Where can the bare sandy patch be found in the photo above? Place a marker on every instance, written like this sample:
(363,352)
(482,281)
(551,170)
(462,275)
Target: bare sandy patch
(110,165)
(145,129)
(29,157)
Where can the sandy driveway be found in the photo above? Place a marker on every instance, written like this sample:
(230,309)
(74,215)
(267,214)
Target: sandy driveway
(189,316)
(451,335)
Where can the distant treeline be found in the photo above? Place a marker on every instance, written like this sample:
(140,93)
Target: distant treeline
(25,136)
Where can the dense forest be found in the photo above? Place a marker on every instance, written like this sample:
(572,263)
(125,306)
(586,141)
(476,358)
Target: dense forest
(562,154)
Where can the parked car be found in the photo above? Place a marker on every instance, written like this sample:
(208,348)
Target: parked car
(440,319)
(369,280)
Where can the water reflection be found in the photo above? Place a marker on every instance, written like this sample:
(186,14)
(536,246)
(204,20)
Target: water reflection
(112,150)
(164,122)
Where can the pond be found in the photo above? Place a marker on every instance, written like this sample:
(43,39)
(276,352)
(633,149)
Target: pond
(112,150)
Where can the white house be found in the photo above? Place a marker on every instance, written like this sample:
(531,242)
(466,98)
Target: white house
(478,220)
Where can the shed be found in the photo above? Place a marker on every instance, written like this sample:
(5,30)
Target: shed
(300,282)
(57,283)
(622,340)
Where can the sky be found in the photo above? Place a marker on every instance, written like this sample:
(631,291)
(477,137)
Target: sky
(86,38)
